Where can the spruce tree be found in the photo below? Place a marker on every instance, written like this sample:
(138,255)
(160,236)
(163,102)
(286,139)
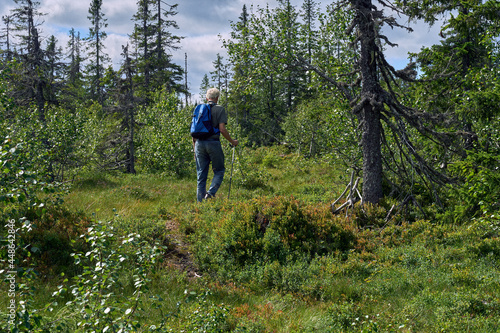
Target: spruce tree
(5,37)
(30,85)
(469,37)
(142,37)
(74,88)
(53,71)
(239,97)
(308,33)
(205,85)
(153,40)
(74,54)
(96,54)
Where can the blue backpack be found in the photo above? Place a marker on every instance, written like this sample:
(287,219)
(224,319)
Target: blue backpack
(201,126)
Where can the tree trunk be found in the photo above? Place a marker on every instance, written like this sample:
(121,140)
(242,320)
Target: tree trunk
(372,155)
(371,93)
(147,59)
(131,147)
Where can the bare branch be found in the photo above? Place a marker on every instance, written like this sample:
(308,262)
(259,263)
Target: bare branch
(324,76)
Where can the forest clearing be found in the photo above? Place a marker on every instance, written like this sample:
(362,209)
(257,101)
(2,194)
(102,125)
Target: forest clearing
(359,197)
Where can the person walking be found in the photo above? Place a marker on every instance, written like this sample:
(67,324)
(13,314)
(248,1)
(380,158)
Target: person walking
(210,150)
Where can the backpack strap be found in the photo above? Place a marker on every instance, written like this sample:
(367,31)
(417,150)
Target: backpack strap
(210,105)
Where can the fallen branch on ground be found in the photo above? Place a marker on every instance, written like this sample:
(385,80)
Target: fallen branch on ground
(353,196)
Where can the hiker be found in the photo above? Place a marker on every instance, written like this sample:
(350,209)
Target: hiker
(210,149)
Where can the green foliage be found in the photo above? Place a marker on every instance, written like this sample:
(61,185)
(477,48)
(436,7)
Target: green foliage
(265,88)
(284,265)
(27,317)
(101,297)
(52,236)
(250,168)
(97,294)
(252,179)
(69,136)
(347,317)
(487,229)
(18,182)
(273,231)
(63,144)
(203,315)
(305,271)
(369,216)
(164,141)
(479,187)
(480,101)
(323,126)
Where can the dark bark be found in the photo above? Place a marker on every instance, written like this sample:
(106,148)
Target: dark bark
(371,92)
(372,155)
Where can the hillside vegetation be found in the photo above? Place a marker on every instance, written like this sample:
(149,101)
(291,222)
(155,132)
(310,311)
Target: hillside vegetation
(271,258)
(100,228)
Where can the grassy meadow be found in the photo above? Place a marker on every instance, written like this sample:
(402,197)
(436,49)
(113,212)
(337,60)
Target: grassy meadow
(270,258)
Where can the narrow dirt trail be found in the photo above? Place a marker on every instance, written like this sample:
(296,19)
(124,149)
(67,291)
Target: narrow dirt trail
(178,255)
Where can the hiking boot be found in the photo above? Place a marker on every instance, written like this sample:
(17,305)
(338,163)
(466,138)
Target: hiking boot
(209,196)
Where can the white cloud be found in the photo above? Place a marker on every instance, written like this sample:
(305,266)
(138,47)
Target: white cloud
(66,14)
(114,49)
(409,42)
(202,52)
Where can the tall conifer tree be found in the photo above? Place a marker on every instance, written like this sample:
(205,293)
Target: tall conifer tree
(5,36)
(74,54)
(32,81)
(153,39)
(96,55)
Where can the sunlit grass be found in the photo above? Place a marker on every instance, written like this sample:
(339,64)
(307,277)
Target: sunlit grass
(421,276)
(129,196)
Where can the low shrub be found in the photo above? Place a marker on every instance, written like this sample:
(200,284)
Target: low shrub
(200,314)
(276,230)
(51,235)
(114,274)
(252,179)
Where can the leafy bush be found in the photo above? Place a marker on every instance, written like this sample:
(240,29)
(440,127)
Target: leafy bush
(479,189)
(486,231)
(68,135)
(268,230)
(203,315)
(369,215)
(45,229)
(62,144)
(164,144)
(252,179)
(101,297)
(18,181)
(248,170)
(319,127)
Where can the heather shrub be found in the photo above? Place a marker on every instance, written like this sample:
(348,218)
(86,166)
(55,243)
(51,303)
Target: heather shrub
(52,237)
(266,232)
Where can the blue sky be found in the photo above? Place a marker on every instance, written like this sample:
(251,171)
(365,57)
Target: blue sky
(200,23)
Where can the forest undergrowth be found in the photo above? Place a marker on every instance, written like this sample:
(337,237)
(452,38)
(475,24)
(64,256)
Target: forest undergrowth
(136,253)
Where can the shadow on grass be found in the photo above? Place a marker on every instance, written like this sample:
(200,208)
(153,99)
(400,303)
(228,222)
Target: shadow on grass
(95,181)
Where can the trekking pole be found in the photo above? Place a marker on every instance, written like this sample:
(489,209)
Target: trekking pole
(231,177)
(241,168)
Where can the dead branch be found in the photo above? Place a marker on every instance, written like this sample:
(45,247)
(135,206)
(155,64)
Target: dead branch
(338,85)
(352,198)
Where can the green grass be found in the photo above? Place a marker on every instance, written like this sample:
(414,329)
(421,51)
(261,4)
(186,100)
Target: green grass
(130,196)
(421,276)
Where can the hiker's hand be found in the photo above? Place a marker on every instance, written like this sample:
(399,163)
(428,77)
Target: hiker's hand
(235,143)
